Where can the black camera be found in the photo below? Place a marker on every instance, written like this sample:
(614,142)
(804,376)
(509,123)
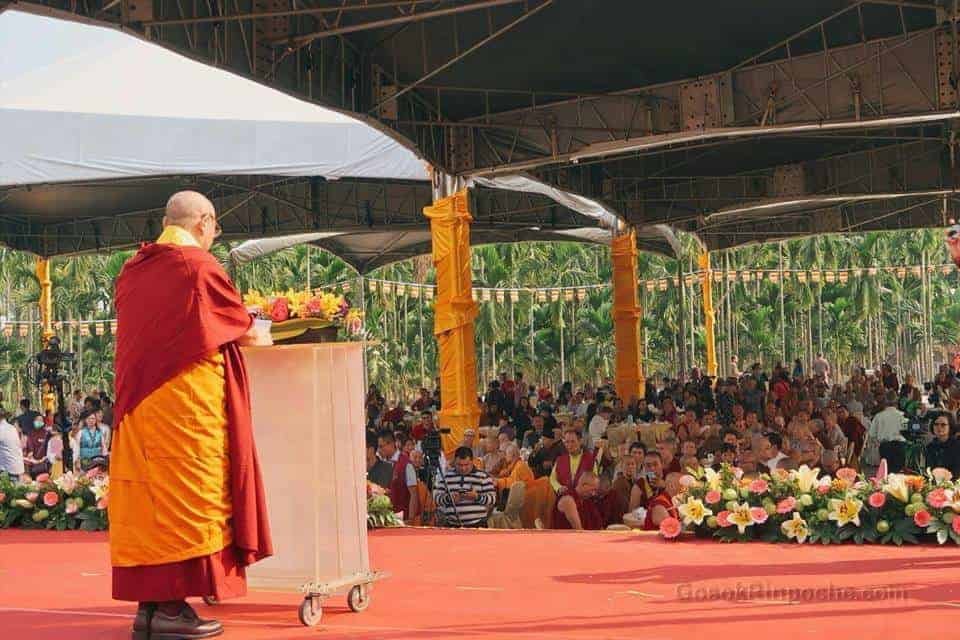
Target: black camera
(50,360)
(432,447)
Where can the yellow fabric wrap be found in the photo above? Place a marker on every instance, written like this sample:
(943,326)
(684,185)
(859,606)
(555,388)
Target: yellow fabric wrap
(46,300)
(454,313)
(708,315)
(169,476)
(626,317)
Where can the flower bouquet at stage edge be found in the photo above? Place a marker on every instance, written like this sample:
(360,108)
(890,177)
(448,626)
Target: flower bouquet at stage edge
(803,506)
(301,317)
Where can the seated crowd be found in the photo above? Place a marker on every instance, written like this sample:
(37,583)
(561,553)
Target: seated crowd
(591,459)
(32,444)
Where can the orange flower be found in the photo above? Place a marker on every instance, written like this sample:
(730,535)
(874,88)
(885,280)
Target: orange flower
(915,482)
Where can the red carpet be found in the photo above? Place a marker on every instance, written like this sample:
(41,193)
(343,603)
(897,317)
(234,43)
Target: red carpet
(538,585)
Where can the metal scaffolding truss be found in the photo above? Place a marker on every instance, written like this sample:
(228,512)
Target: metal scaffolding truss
(734,121)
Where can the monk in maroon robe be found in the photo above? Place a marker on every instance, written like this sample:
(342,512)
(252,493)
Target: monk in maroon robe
(579,509)
(187,508)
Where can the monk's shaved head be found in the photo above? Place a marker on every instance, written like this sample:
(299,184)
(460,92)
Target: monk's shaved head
(186,208)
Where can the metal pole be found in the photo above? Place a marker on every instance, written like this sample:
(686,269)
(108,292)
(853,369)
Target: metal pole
(563,365)
(783,317)
(681,295)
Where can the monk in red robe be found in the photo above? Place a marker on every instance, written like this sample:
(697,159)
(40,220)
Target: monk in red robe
(579,509)
(575,462)
(187,508)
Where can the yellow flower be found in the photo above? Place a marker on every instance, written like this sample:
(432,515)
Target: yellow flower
(846,510)
(896,485)
(740,516)
(795,528)
(693,511)
(713,478)
(805,477)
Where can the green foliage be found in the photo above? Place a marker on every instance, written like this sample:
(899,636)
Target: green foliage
(862,321)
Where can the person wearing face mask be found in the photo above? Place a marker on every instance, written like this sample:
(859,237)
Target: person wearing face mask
(35,451)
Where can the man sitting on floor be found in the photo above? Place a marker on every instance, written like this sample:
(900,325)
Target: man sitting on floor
(579,509)
(466,494)
(573,463)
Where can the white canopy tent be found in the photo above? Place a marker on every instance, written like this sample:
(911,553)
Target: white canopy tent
(98,127)
(86,102)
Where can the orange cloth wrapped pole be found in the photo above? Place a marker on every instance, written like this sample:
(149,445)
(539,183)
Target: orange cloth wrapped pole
(454,313)
(626,317)
(708,315)
(46,299)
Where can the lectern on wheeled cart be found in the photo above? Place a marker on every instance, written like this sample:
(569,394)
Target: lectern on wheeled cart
(308,419)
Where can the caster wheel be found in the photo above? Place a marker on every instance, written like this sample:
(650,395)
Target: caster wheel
(210,601)
(359,598)
(310,612)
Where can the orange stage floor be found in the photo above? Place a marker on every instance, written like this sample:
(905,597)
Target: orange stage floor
(531,584)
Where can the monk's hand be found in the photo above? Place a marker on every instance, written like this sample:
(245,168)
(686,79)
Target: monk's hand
(562,490)
(471,495)
(455,495)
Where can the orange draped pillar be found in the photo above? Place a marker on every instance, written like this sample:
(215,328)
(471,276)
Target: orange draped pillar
(46,299)
(626,316)
(454,313)
(708,317)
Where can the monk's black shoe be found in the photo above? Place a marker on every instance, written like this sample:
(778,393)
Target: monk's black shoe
(186,626)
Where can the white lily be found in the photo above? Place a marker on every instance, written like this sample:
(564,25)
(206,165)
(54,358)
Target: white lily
(844,511)
(693,511)
(805,477)
(896,485)
(795,528)
(714,480)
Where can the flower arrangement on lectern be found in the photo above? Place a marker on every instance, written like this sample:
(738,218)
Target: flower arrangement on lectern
(294,313)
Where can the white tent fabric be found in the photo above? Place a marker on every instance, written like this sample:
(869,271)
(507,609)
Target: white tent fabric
(583,205)
(85,102)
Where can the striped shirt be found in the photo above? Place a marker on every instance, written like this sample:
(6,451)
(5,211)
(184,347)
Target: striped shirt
(472,512)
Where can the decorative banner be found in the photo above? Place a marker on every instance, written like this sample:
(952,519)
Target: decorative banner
(98,329)
(844,275)
(23,331)
(651,285)
(829,276)
(946,269)
(872,271)
(568,295)
(372,286)
(387,288)
(801,276)
(346,287)
(857,272)
(485,295)
(662,285)
(901,273)
(428,293)
(8,330)
(815,276)
(415,293)
(475,294)
(501,295)
(401,289)
(717,277)
(113,326)
(541,296)
(514,296)
(774,277)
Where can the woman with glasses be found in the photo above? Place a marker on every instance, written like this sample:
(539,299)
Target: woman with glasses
(944,449)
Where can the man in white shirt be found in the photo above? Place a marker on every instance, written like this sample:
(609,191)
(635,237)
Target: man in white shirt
(11,452)
(821,368)
(770,453)
(598,425)
(887,424)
